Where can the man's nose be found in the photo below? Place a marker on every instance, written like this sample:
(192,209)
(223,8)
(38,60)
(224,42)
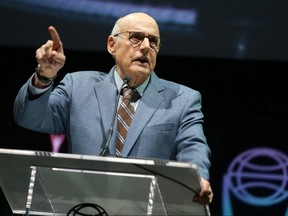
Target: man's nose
(145,42)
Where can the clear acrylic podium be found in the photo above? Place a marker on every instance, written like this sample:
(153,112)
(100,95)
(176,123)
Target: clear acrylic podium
(45,183)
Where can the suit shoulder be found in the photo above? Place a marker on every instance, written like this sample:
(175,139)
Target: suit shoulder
(85,76)
(180,88)
(88,74)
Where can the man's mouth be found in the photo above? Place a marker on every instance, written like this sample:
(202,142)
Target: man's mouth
(142,60)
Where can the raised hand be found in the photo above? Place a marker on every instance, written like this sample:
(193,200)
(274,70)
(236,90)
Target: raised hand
(50,56)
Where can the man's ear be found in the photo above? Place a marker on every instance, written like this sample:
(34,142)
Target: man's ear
(111,45)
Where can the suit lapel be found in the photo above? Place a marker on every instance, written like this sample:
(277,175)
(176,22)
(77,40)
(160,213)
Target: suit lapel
(147,106)
(106,100)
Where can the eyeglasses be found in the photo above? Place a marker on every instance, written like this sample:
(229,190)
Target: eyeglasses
(136,38)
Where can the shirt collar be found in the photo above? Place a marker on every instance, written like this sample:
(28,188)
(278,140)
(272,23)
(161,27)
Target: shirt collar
(119,83)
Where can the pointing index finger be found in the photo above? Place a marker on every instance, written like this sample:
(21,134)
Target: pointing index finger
(57,44)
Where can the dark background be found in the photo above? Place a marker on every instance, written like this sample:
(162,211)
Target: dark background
(252,30)
(245,98)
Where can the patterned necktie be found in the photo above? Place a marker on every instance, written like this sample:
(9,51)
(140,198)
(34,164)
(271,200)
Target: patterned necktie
(125,116)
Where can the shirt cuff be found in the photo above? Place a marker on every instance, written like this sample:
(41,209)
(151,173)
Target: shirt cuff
(36,91)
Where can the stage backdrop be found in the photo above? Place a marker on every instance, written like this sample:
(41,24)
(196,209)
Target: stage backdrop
(240,29)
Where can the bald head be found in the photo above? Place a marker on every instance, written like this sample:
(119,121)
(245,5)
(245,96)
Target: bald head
(133,21)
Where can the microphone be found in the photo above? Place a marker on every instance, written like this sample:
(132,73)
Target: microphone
(105,149)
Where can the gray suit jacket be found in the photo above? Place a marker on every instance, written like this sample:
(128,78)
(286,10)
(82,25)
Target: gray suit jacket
(167,123)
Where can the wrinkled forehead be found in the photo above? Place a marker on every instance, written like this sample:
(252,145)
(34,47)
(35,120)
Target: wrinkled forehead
(144,24)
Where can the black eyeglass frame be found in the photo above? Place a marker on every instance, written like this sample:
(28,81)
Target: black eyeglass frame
(155,47)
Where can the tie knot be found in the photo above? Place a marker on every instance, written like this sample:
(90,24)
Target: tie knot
(130,93)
